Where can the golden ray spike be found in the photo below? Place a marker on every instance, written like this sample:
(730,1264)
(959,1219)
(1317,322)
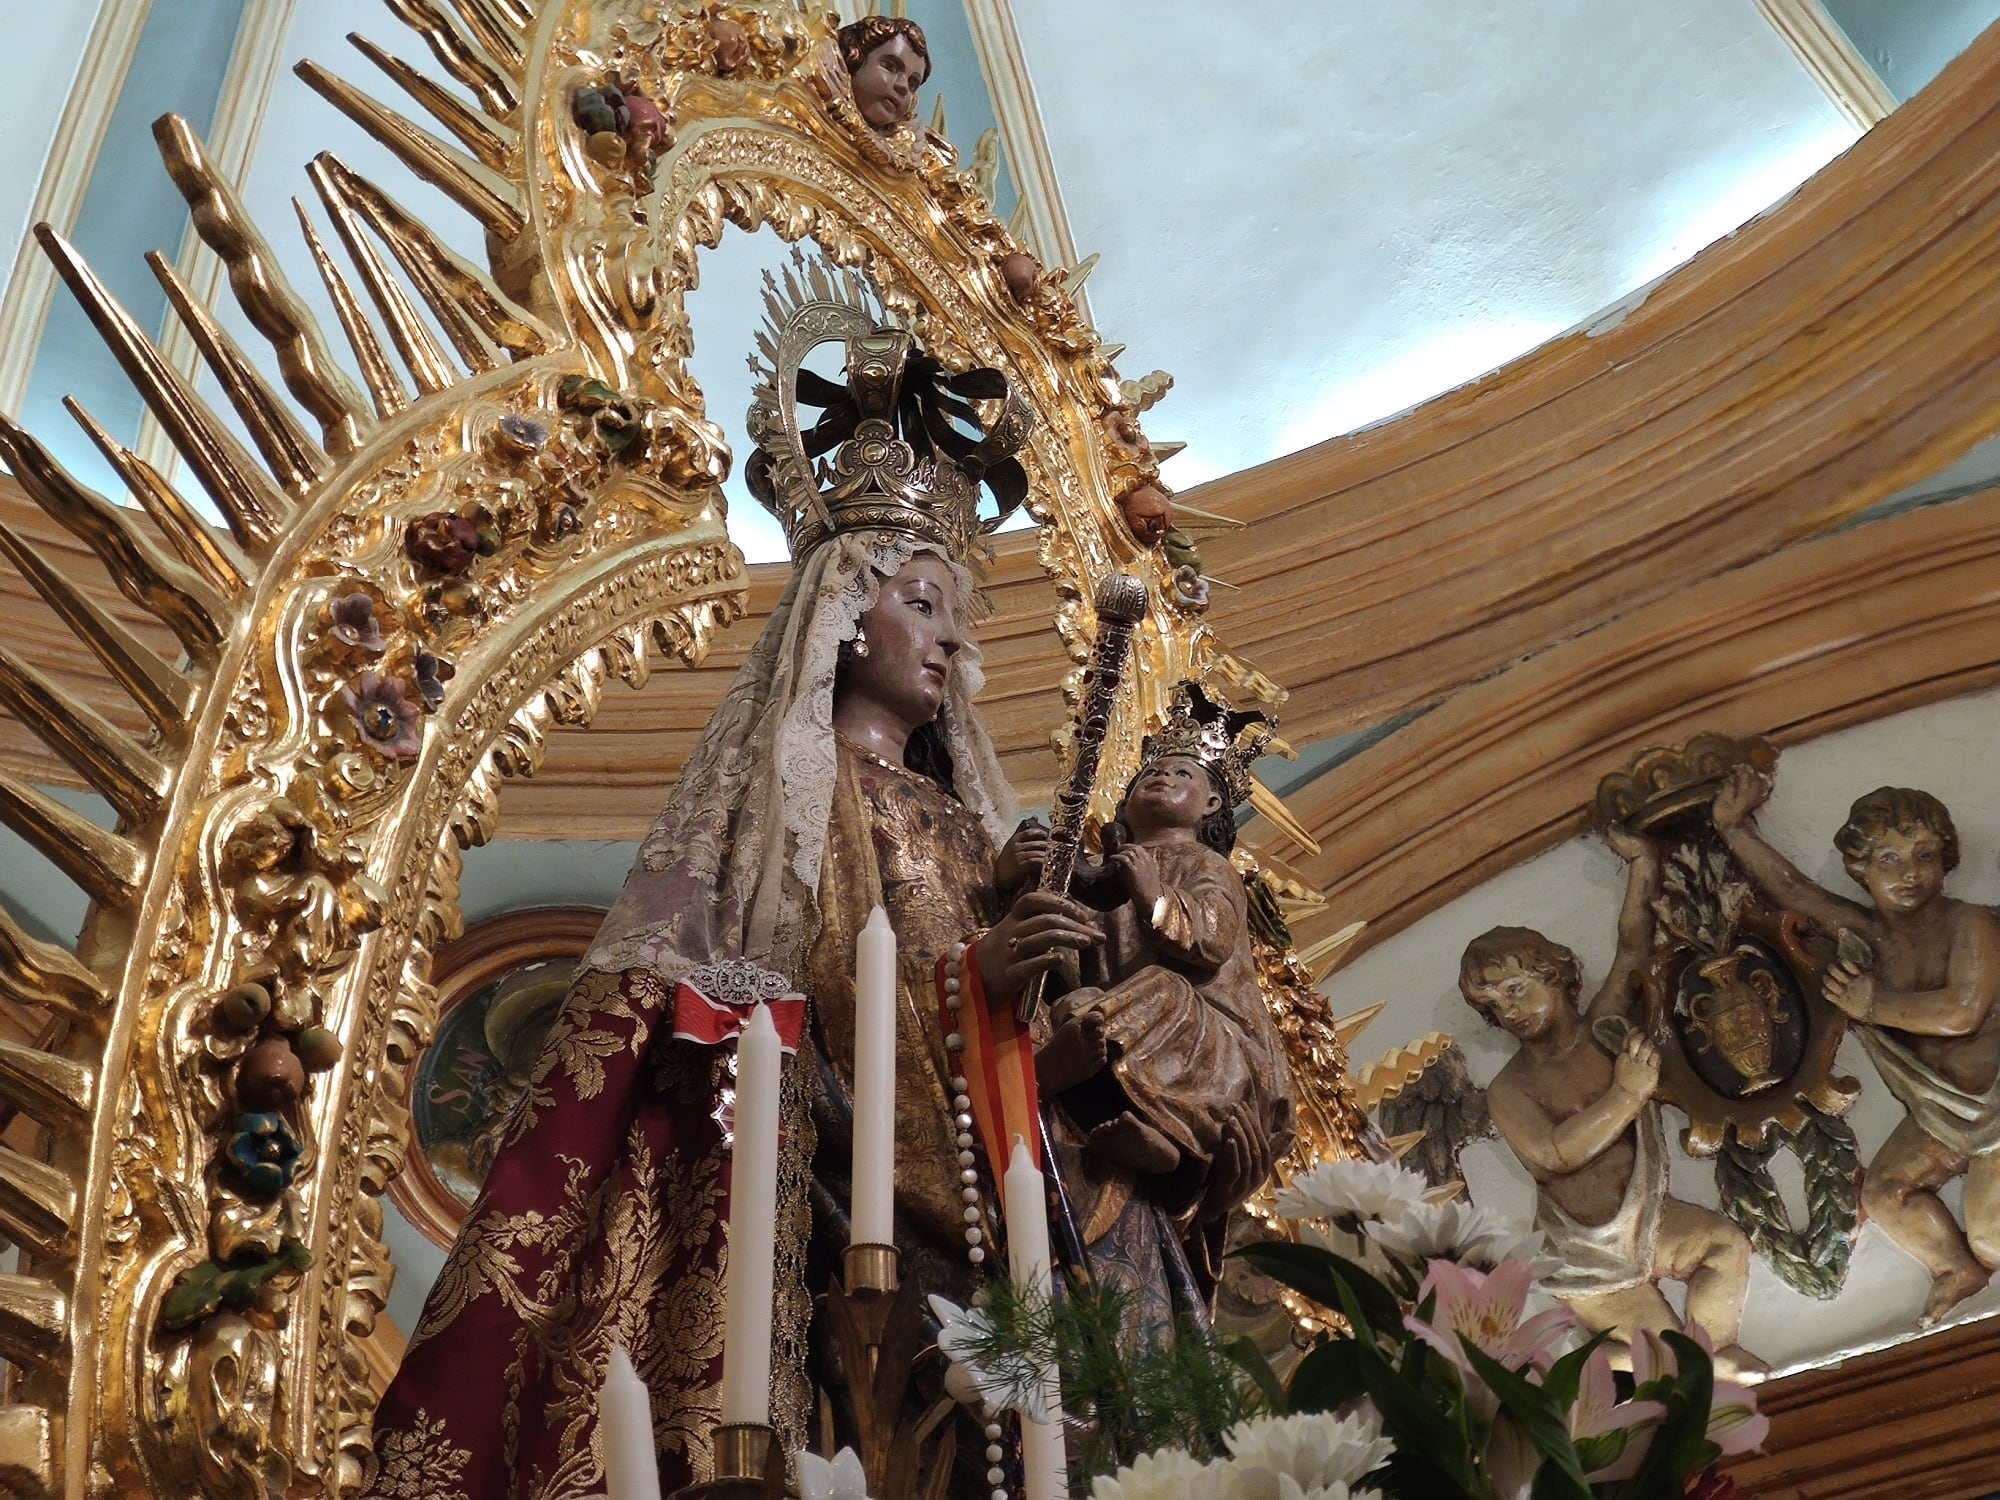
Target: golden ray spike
(1074,278)
(472,309)
(1110,352)
(385,387)
(55,1090)
(1017,221)
(47,975)
(499,36)
(161,585)
(37,1204)
(1164,451)
(132,780)
(461,58)
(255,508)
(1445,1192)
(477,189)
(108,867)
(1267,802)
(34,1321)
(266,297)
(422,354)
(937,118)
(166,694)
(492,143)
(520,14)
(1211,521)
(1348,1027)
(1324,956)
(1400,1146)
(200,545)
(294,459)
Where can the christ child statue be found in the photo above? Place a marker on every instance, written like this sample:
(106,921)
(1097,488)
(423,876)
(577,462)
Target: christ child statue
(1919,973)
(1159,1057)
(1584,1122)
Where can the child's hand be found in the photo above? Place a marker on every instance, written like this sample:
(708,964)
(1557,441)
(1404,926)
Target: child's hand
(1139,869)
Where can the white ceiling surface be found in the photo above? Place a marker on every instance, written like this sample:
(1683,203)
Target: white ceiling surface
(42,59)
(1317,216)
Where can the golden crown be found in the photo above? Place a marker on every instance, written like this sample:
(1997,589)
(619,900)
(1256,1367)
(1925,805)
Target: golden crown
(1224,740)
(910,448)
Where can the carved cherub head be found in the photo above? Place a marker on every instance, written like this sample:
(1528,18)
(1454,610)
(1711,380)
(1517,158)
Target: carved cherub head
(1899,844)
(888,61)
(1149,512)
(1515,977)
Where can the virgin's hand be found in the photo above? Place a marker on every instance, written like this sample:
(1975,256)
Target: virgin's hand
(1022,859)
(1031,939)
(1243,1160)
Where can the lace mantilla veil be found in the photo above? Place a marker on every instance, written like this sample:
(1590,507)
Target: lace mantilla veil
(731,870)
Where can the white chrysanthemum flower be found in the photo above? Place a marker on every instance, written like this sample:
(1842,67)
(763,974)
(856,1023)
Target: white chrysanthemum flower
(1352,1189)
(838,1478)
(1010,1382)
(1169,1474)
(1455,1231)
(1317,1456)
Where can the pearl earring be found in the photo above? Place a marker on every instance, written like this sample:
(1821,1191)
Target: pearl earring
(860,643)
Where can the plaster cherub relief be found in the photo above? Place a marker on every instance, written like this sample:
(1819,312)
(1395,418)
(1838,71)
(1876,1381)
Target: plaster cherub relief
(1585,1123)
(1918,975)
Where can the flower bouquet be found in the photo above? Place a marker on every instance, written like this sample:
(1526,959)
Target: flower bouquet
(1430,1381)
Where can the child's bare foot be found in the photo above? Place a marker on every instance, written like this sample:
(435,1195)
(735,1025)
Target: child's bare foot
(1131,1142)
(1948,1289)
(1075,1050)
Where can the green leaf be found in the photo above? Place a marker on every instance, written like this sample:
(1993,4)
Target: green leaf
(1541,1417)
(1250,1359)
(1566,1374)
(1317,1273)
(1330,1376)
(1414,1424)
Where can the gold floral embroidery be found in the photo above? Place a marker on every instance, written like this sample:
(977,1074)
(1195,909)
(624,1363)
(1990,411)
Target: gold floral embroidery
(578,1047)
(420,1464)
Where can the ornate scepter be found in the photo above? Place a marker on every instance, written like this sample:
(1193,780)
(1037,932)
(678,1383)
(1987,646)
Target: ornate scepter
(1121,605)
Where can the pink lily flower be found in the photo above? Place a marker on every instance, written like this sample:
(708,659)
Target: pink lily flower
(1485,1309)
(1598,1412)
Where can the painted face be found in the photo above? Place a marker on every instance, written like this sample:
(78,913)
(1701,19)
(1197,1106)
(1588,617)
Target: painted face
(1518,1001)
(913,635)
(886,83)
(1175,791)
(1903,871)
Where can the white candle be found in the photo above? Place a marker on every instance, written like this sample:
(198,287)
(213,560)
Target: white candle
(753,1214)
(1042,1459)
(874,1171)
(625,1418)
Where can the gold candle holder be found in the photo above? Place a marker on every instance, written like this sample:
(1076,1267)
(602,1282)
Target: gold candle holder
(871,1268)
(741,1450)
(748,1466)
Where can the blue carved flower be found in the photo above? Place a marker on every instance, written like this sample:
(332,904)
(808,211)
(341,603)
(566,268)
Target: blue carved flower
(264,1153)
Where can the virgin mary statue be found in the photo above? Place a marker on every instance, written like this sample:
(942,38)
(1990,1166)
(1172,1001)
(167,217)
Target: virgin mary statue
(844,769)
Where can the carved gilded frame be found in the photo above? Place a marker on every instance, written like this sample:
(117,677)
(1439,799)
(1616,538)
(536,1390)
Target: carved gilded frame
(286,858)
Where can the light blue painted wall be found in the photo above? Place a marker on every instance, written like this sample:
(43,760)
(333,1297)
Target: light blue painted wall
(130,207)
(1908,42)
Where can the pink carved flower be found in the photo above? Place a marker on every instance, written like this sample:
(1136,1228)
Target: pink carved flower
(354,623)
(390,721)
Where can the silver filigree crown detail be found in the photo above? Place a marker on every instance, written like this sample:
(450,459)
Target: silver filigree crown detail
(904,445)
